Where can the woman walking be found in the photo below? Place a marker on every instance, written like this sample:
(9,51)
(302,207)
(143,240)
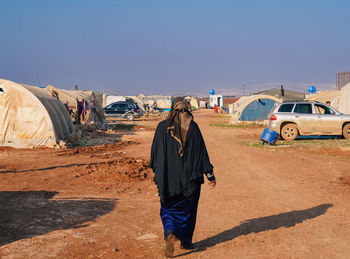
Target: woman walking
(179,159)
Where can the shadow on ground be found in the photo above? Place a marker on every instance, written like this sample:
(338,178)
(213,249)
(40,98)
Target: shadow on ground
(25,214)
(121,126)
(47,168)
(257,225)
(318,137)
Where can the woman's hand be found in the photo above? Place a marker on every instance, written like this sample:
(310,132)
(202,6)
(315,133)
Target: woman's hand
(212,184)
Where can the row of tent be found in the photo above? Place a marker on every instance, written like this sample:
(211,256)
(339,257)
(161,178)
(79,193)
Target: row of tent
(157,101)
(162,102)
(32,116)
(257,107)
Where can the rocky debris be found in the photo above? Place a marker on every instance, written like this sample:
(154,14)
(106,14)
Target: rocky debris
(120,169)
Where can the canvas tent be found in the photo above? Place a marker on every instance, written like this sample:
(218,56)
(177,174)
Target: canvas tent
(193,102)
(332,96)
(158,101)
(140,103)
(99,98)
(202,104)
(30,117)
(283,94)
(253,108)
(344,104)
(94,111)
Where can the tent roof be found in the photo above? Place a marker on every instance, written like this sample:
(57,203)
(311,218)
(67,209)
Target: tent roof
(71,97)
(31,117)
(244,101)
(288,94)
(324,96)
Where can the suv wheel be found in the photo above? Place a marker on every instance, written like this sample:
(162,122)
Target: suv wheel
(289,131)
(346,131)
(130,117)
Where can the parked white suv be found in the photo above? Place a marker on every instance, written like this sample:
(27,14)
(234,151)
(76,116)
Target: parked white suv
(291,119)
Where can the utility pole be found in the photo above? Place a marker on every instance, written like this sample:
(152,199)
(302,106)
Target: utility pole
(243,86)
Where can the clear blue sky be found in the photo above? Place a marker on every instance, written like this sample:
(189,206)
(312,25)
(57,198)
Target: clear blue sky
(176,47)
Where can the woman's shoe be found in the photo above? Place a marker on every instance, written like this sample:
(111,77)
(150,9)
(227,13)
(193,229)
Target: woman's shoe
(169,245)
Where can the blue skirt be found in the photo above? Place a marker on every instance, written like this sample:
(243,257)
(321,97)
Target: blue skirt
(179,215)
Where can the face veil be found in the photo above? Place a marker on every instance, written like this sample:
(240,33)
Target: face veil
(178,122)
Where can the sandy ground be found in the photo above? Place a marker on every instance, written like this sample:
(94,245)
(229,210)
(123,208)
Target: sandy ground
(284,201)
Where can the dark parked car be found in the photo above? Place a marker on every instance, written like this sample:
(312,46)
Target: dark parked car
(123,109)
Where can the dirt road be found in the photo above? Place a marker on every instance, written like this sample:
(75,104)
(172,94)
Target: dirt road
(287,201)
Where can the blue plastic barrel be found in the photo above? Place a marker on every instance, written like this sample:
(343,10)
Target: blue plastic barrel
(269,136)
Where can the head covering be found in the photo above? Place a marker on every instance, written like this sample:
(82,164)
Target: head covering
(178,122)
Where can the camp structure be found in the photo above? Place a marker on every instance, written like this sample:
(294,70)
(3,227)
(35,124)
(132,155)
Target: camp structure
(332,96)
(137,100)
(230,100)
(31,117)
(253,108)
(283,94)
(344,104)
(160,102)
(192,101)
(216,99)
(83,105)
(99,98)
(339,99)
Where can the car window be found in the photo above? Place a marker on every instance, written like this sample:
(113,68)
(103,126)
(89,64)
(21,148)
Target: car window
(114,106)
(322,109)
(303,108)
(122,106)
(286,107)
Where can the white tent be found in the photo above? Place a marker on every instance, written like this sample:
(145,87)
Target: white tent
(252,108)
(93,113)
(193,102)
(140,103)
(344,104)
(161,101)
(332,96)
(30,117)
